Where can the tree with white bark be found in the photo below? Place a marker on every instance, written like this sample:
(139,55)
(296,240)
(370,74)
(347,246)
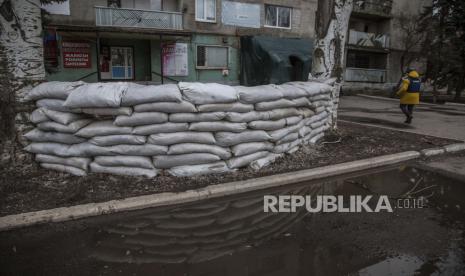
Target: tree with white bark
(328,57)
(21,60)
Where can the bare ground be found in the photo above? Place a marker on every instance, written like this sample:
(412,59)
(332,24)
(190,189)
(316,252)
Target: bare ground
(27,187)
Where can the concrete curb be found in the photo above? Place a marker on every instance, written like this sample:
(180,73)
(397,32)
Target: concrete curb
(397,100)
(213,191)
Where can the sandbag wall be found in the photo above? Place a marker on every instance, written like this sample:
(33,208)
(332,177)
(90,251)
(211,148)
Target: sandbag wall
(185,128)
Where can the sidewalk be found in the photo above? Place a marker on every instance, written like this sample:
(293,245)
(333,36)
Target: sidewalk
(445,121)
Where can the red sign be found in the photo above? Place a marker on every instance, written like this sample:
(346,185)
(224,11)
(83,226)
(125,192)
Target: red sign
(76,54)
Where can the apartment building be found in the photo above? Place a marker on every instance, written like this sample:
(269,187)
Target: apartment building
(376,42)
(163,41)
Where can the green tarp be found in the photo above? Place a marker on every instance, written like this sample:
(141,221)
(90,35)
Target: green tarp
(274,60)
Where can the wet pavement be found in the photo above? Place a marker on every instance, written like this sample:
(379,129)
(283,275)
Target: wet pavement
(233,236)
(446,121)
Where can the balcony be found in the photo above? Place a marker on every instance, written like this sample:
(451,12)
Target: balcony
(362,39)
(379,8)
(365,75)
(135,18)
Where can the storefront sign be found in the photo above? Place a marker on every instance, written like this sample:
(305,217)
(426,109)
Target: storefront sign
(241,14)
(76,54)
(175,59)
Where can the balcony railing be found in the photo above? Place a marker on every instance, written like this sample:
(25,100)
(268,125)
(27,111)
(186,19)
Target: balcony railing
(363,39)
(365,75)
(373,7)
(121,17)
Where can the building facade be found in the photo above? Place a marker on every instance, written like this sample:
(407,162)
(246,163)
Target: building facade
(163,40)
(377,41)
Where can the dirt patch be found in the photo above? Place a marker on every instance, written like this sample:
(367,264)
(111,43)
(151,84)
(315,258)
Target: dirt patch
(27,187)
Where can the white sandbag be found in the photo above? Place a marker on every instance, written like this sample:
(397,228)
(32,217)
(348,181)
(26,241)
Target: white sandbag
(160,128)
(77,162)
(293,120)
(226,107)
(318,124)
(304,131)
(218,126)
(321,97)
(123,170)
(52,90)
(137,150)
(107,111)
(316,104)
(257,94)
(88,150)
(301,102)
(69,128)
(207,93)
(169,161)
(166,107)
(38,116)
(62,117)
(291,137)
(108,94)
(245,160)
(63,168)
(102,128)
(265,161)
(120,139)
(291,91)
(306,112)
(181,137)
(54,104)
(293,150)
(139,94)
(247,117)
(125,161)
(229,138)
(276,135)
(277,114)
(287,146)
(49,148)
(139,119)
(315,138)
(191,170)
(184,148)
(267,125)
(320,109)
(312,88)
(36,135)
(196,117)
(281,103)
(248,148)
(319,117)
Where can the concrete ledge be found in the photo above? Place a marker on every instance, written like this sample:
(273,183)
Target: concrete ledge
(213,191)
(432,152)
(454,147)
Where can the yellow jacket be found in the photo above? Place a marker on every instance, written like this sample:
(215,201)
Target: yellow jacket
(405,96)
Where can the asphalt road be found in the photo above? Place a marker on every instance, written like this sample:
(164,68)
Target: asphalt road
(446,121)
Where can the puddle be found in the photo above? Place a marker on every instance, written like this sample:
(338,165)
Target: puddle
(233,236)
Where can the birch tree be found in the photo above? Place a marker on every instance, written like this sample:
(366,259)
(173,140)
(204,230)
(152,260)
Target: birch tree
(21,62)
(332,25)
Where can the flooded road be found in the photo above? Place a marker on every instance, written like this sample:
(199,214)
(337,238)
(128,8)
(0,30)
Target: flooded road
(233,236)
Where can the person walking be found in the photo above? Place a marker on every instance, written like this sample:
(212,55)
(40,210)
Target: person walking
(409,94)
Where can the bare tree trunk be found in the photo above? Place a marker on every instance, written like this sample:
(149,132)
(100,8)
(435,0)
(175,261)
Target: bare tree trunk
(328,57)
(21,65)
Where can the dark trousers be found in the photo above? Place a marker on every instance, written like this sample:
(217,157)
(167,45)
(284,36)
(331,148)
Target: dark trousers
(407,109)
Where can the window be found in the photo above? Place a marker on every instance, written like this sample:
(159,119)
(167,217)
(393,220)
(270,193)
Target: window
(205,10)
(277,17)
(114,3)
(212,57)
(116,63)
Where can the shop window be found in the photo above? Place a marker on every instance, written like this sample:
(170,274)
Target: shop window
(212,57)
(117,63)
(205,10)
(278,17)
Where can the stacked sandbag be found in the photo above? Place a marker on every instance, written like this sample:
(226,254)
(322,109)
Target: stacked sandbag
(184,129)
